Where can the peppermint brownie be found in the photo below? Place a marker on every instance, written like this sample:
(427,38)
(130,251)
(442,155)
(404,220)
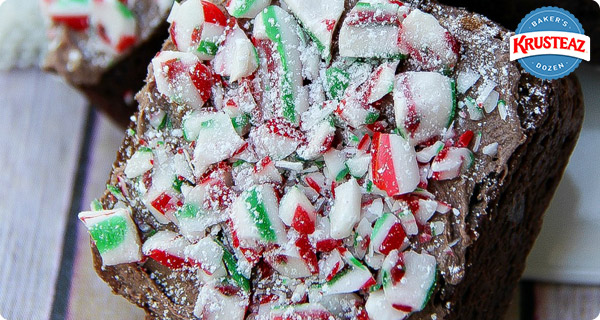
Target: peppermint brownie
(332,160)
(102,47)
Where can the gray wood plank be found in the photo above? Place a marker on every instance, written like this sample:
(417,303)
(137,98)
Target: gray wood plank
(89,295)
(40,124)
(566,302)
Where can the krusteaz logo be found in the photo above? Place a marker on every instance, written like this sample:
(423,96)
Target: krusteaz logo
(550,43)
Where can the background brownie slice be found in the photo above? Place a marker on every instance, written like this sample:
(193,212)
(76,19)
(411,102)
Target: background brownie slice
(526,138)
(103,47)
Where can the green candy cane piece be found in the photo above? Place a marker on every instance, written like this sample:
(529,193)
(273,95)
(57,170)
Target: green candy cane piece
(243,8)
(124,10)
(109,234)
(276,32)
(189,211)
(259,214)
(338,81)
(454,103)
(232,267)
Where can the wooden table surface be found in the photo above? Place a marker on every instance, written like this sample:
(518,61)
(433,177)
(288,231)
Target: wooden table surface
(56,156)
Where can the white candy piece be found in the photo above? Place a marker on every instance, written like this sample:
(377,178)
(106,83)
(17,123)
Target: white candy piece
(371,31)
(208,255)
(139,163)
(427,41)
(426,210)
(160,202)
(276,139)
(346,209)
(491,102)
(475,112)
(427,153)
(424,104)
(491,149)
(173,73)
(300,311)
(379,308)
(353,110)
(485,91)
(381,81)
(374,210)
(192,126)
(437,228)
(288,262)
(465,80)
(319,18)
(266,172)
(358,277)
(212,304)
(330,265)
(319,140)
(237,57)
(246,8)
(192,219)
(374,260)
(413,290)
(362,235)
(115,235)
(181,164)
(217,140)
(115,23)
(289,165)
(454,162)
(334,162)
(409,223)
(341,305)
(359,165)
(318,112)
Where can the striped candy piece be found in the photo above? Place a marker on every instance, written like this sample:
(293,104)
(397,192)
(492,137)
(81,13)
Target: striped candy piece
(368,21)
(297,211)
(246,8)
(197,26)
(394,165)
(181,77)
(424,104)
(74,14)
(319,19)
(281,29)
(255,218)
(115,23)
(115,235)
(167,248)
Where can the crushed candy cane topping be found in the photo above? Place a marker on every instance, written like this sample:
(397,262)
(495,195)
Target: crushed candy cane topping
(294,182)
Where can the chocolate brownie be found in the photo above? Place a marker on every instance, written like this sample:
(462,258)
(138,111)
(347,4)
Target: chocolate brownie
(332,160)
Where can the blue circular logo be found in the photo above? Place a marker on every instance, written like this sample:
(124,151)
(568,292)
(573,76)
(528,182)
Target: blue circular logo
(551,22)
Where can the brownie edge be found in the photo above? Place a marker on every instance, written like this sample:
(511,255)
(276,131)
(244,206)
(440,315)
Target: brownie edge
(496,260)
